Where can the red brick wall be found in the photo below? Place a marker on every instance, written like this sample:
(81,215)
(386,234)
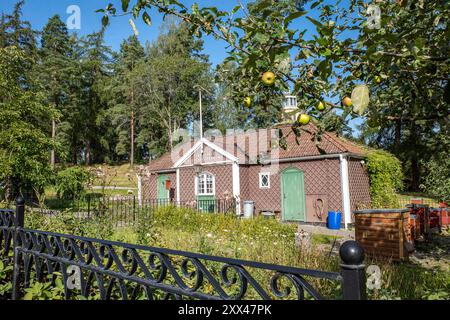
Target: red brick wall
(322,180)
(223,176)
(149,185)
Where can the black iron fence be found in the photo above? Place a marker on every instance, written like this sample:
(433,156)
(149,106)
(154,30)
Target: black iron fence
(210,206)
(123,209)
(99,269)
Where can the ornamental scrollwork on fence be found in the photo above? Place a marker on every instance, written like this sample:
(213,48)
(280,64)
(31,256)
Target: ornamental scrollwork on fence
(114,270)
(6,233)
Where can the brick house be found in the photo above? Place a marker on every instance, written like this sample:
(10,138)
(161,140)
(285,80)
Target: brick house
(301,182)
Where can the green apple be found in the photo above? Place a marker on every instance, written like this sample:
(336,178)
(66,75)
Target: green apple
(347,102)
(247,102)
(321,106)
(268,78)
(303,119)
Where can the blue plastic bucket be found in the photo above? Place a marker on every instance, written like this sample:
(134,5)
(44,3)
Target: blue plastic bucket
(334,220)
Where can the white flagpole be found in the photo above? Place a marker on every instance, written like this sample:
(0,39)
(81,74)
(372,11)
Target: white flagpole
(201,119)
(201,116)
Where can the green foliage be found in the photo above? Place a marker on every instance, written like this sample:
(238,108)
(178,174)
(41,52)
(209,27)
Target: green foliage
(97,226)
(121,101)
(386,178)
(71,182)
(15,32)
(165,82)
(49,290)
(321,50)
(24,143)
(144,228)
(437,180)
(5,279)
(54,72)
(256,239)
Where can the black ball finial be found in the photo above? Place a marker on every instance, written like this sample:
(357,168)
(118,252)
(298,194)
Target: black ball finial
(20,200)
(351,253)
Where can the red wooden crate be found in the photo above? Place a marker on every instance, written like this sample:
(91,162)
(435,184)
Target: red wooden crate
(445,217)
(435,217)
(423,211)
(414,226)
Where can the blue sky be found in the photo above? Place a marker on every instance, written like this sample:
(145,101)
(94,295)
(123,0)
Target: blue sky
(39,11)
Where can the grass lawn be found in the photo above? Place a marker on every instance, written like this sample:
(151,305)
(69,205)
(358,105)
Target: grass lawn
(117,175)
(258,240)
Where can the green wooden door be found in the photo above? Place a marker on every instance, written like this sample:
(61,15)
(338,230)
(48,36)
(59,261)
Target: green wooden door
(293,195)
(206,203)
(163,193)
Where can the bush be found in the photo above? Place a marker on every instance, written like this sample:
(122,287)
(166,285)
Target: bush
(436,182)
(70,182)
(386,178)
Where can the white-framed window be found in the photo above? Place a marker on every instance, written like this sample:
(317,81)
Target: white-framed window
(264,180)
(205,184)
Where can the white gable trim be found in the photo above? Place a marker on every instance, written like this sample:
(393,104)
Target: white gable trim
(187,155)
(208,143)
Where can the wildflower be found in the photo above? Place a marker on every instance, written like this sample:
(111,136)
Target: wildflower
(209,235)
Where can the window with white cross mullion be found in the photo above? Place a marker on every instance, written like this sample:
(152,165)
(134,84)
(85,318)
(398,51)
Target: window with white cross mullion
(264,180)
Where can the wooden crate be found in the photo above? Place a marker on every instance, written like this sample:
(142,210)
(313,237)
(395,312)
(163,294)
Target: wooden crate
(384,233)
(423,211)
(445,217)
(414,224)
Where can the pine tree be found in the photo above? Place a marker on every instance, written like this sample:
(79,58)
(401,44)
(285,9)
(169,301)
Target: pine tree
(95,68)
(123,102)
(54,70)
(17,32)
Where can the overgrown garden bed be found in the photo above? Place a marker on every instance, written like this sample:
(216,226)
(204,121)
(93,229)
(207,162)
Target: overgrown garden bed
(258,239)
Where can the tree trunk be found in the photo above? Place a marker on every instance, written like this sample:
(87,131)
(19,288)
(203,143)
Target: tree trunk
(132,140)
(132,129)
(88,153)
(52,152)
(398,133)
(415,146)
(169,131)
(74,154)
(415,173)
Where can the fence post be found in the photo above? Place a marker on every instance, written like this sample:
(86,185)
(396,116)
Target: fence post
(19,222)
(353,271)
(20,212)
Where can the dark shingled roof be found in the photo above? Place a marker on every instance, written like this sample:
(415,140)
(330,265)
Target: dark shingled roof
(303,146)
